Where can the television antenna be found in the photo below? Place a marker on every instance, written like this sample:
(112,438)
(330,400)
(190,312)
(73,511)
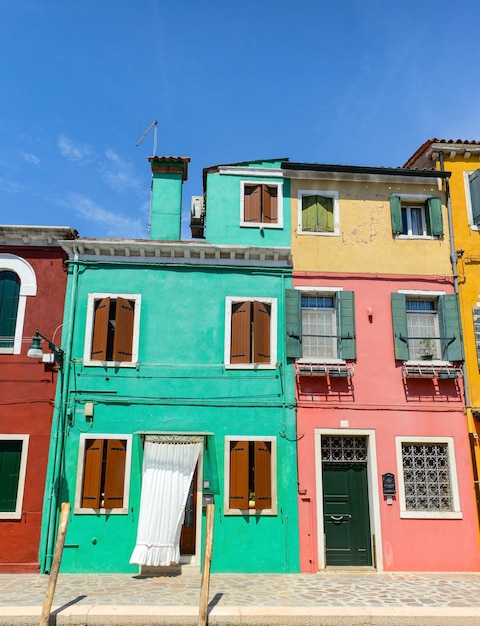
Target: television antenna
(154,126)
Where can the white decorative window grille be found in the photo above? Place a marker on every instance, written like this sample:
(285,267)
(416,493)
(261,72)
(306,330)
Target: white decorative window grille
(426,476)
(344,448)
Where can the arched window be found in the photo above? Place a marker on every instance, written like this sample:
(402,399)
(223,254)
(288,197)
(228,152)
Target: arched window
(17,281)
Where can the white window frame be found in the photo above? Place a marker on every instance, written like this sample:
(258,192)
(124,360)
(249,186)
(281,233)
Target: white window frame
(87,351)
(273,475)
(336,211)
(261,225)
(411,200)
(406,514)
(424,295)
(17,514)
(79,482)
(468,200)
(230,301)
(28,287)
(321,291)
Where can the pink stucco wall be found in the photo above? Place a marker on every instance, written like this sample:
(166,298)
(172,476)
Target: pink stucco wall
(377,398)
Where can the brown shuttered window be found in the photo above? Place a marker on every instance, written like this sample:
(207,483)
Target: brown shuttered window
(260,204)
(113,329)
(238,475)
(250,475)
(250,332)
(104,473)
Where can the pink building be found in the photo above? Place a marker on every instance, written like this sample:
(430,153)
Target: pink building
(385,474)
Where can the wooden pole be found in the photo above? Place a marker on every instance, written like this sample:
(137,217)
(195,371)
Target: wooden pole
(207,560)
(57,558)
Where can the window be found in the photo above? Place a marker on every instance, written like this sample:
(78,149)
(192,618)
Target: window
(251,336)
(103,474)
(112,329)
(416,216)
(261,204)
(250,470)
(13,463)
(472,185)
(9,293)
(427,477)
(318,212)
(320,324)
(426,326)
(17,281)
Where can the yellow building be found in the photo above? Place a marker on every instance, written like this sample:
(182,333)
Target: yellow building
(462,159)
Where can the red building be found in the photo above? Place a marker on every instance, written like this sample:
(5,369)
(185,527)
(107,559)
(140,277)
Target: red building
(32,293)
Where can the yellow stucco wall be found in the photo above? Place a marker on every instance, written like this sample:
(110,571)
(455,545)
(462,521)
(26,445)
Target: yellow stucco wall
(468,267)
(365,243)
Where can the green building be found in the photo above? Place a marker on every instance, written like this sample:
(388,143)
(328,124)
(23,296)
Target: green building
(176,389)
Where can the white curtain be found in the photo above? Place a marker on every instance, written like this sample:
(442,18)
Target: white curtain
(167,473)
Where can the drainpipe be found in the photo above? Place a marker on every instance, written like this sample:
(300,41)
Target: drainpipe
(60,434)
(466,386)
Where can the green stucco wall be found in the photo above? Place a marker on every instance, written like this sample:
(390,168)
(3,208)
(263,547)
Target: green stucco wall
(181,384)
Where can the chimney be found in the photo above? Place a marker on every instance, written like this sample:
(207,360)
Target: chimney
(168,174)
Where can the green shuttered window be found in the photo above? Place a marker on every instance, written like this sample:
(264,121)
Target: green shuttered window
(474,185)
(426,328)
(10,459)
(317,214)
(321,325)
(416,219)
(9,294)
(250,480)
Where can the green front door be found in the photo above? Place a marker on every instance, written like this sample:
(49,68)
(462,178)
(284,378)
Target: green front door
(346,513)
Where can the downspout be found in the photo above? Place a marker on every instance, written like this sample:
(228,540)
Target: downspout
(466,386)
(60,434)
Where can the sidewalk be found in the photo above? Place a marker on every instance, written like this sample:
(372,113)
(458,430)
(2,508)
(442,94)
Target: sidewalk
(340,598)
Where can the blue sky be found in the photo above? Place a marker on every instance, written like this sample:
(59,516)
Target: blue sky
(353,82)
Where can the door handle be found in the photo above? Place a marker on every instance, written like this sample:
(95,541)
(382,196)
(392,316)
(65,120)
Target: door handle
(339,518)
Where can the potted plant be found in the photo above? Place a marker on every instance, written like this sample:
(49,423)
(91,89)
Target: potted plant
(426,349)
(251,500)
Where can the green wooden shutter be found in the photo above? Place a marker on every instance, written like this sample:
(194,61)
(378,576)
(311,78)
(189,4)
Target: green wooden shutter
(10,458)
(238,479)
(396,214)
(123,335)
(325,214)
(399,320)
(115,473)
(9,294)
(474,183)
(433,209)
(240,351)
(293,313)
(261,332)
(345,305)
(262,475)
(309,214)
(92,473)
(450,327)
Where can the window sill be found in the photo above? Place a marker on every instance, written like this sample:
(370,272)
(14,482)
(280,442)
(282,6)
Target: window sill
(260,225)
(251,512)
(80,511)
(90,363)
(322,233)
(428,237)
(431,515)
(10,515)
(318,360)
(250,366)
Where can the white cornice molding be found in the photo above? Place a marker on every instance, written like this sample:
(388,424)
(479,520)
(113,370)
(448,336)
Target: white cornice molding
(261,172)
(35,235)
(145,251)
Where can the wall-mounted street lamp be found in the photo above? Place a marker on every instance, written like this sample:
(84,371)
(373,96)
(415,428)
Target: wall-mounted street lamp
(35,351)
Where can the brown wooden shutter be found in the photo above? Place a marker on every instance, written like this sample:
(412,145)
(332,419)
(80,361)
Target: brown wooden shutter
(123,335)
(100,330)
(270,204)
(241,333)
(263,475)
(252,203)
(238,491)
(261,332)
(115,473)
(92,473)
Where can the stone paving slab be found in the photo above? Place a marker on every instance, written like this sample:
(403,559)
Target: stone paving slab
(323,599)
